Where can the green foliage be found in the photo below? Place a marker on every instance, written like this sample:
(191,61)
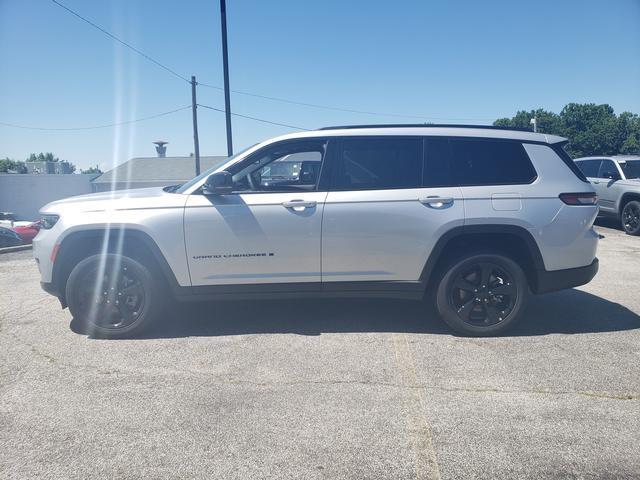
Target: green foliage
(10,166)
(591,129)
(48,157)
(92,170)
(43,157)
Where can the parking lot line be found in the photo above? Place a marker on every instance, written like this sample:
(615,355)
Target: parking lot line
(420,438)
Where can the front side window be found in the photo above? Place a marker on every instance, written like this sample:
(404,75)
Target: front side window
(631,168)
(379,163)
(590,168)
(608,169)
(490,162)
(288,167)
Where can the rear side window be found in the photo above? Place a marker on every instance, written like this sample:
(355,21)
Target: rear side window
(379,163)
(490,162)
(590,168)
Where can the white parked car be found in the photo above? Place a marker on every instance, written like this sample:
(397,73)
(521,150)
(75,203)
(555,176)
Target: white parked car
(617,183)
(9,220)
(479,216)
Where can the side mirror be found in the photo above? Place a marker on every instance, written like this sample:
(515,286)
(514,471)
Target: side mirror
(220,183)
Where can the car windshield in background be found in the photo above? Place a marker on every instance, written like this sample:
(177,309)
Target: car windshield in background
(631,168)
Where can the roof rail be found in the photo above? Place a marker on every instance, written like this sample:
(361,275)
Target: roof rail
(424,125)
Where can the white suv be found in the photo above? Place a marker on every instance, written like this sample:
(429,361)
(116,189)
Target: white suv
(479,216)
(617,183)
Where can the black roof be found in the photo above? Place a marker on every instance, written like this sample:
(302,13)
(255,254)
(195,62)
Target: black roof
(424,125)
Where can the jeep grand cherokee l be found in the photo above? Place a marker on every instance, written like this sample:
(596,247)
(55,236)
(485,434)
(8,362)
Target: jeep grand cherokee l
(617,183)
(481,217)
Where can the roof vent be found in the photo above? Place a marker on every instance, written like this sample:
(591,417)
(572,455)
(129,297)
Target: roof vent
(161,149)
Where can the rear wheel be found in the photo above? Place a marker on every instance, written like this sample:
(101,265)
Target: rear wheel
(112,295)
(631,217)
(482,294)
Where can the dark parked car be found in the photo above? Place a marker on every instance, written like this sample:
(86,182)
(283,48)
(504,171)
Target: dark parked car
(9,238)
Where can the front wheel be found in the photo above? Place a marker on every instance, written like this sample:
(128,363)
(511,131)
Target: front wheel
(482,294)
(112,295)
(631,218)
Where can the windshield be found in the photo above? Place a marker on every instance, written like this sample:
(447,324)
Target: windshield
(209,171)
(631,168)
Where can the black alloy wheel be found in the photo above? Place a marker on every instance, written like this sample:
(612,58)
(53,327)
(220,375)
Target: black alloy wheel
(114,296)
(631,218)
(482,294)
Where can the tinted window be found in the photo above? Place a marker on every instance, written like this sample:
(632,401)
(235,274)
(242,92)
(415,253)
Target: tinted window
(369,164)
(490,162)
(438,162)
(608,170)
(589,167)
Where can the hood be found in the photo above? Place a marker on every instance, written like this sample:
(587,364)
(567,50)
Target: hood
(117,200)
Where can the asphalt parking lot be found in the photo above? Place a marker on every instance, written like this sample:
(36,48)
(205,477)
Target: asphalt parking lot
(326,389)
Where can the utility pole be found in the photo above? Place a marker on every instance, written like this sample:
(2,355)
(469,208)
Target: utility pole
(534,122)
(194,110)
(225,65)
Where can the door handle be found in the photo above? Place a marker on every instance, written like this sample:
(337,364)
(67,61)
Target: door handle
(596,182)
(436,202)
(299,205)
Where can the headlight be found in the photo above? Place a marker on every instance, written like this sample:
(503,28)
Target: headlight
(48,221)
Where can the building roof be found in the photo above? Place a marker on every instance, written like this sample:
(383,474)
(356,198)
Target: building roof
(171,170)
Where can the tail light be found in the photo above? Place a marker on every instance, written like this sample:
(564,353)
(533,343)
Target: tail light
(585,198)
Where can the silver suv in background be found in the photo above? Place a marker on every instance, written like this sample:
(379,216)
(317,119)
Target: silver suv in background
(617,183)
(480,217)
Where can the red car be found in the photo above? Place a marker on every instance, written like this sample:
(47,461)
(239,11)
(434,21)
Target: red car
(27,232)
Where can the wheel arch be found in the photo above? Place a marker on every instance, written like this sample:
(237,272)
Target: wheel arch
(133,242)
(626,198)
(513,241)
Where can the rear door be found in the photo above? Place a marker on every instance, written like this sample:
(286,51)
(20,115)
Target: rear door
(268,230)
(381,220)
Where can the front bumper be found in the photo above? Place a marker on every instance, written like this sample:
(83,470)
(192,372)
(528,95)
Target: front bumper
(552,281)
(51,290)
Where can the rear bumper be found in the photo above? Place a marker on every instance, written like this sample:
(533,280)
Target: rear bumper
(552,281)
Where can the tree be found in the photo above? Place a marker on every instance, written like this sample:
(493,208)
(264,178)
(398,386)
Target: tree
(48,157)
(591,129)
(12,166)
(95,169)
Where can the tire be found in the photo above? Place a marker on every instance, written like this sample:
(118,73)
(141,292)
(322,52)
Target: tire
(122,304)
(630,217)
(482,294)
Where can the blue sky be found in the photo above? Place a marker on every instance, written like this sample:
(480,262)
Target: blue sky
(449,61)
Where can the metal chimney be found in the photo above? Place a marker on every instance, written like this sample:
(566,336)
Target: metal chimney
(161,149)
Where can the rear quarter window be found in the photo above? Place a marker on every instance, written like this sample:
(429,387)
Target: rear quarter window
(490,162)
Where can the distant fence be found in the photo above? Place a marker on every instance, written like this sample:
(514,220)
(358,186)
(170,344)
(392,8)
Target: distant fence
(25,194)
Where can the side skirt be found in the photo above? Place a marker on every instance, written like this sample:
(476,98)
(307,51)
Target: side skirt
(400,290)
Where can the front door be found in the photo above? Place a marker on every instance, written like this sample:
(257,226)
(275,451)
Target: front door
(607,185)
(268,230)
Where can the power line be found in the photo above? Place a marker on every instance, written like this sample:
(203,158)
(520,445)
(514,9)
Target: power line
(95,127)
(109,34)
(340,109)
(256,95)
(255,118)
